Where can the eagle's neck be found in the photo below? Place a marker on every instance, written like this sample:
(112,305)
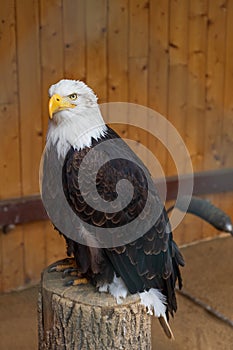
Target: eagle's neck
(75,130)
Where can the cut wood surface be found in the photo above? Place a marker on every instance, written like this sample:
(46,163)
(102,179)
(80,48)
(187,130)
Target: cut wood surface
(79,317)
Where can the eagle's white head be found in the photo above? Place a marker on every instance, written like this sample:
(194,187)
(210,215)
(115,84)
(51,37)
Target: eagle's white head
(75,117)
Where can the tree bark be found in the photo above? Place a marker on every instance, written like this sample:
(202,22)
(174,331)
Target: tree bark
(79,317)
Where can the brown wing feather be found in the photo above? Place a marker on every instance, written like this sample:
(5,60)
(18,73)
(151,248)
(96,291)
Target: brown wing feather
(151,261)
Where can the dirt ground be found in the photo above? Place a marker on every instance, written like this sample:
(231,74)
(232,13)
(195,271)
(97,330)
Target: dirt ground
(208,275)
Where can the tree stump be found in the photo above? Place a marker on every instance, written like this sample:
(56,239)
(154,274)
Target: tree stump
(79,317)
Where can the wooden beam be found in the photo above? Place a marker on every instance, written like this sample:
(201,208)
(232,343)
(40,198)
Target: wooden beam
(30,209)
(206,182)
(22,210)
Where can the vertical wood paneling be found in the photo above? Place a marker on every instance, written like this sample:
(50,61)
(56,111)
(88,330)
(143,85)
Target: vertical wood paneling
(227,125)
(118,27)
(118,51)
(74,39)
(158,74)
(28,55)
(9,123)
(215,70)
(138,52)
(96,41)
(138,70)
(52,61)
(138,74)
(117,57)
(195,130)
(138,31)
(158,55)
(51,50)
(194,127)
(11,245)
(177,85)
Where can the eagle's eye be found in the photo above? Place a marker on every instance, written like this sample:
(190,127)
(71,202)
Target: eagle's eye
(73,97)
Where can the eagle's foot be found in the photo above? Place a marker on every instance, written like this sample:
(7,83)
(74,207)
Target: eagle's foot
(77,282)
(63,266)
(71,271)
(69,268)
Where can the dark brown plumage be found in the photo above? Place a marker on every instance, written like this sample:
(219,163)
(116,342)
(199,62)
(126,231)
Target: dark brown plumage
(151,261)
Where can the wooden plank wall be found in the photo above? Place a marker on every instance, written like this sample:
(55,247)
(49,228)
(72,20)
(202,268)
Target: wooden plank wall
(174,56)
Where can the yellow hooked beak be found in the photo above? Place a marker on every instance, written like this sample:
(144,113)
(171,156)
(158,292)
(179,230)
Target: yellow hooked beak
(58,103)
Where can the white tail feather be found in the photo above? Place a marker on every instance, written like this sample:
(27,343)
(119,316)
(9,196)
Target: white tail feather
(116,288)
(155,303)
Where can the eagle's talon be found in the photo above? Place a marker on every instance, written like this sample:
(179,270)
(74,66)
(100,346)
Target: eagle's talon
(69,283)
(52,269)
(63,265)
(77,282)
(71,271)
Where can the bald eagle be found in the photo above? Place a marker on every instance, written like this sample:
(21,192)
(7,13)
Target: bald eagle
(148,264)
